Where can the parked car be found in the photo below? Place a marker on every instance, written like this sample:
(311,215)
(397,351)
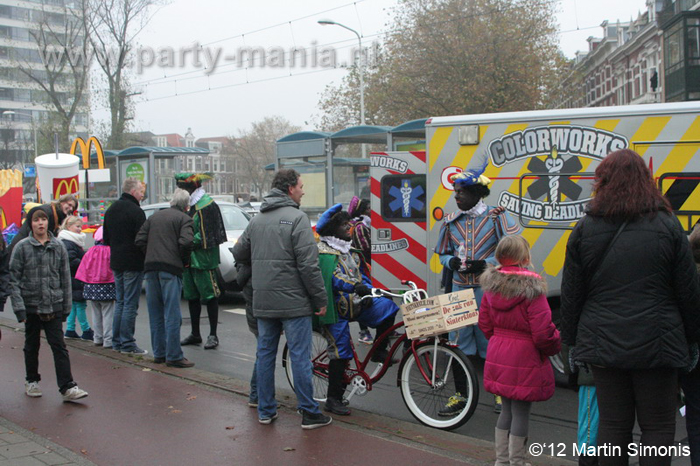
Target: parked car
(235,221)
(253,208)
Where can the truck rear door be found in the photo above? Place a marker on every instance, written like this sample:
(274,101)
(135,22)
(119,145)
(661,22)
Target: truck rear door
(399,218)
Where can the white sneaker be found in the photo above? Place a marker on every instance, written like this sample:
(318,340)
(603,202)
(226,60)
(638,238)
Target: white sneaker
(32,389)
(74,393)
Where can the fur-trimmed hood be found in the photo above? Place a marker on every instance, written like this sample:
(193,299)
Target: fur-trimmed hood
(513,283)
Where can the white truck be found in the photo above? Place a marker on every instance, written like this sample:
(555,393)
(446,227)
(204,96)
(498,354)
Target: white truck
(541,164)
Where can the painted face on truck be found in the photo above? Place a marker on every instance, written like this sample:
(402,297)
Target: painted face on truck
(466,197)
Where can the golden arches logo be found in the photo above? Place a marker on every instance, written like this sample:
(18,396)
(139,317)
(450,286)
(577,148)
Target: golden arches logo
(3,219)
(69,184)
(85,148)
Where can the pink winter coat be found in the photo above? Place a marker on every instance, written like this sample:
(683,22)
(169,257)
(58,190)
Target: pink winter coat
(517,320)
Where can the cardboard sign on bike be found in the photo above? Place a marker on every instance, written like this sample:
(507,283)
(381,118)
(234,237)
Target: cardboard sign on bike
(440,314)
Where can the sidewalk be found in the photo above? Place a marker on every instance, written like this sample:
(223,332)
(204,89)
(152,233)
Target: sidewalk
(139,413)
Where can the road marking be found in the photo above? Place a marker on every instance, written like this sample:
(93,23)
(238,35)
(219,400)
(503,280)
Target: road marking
(239,311)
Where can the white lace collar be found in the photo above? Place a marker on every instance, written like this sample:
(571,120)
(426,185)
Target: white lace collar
(337,243)
(477,210)
(197,195)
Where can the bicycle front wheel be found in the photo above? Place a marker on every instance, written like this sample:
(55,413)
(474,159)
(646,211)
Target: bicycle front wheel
(439,385)
(319,361)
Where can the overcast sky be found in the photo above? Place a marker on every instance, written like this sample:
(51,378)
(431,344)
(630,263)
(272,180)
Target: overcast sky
(227,98)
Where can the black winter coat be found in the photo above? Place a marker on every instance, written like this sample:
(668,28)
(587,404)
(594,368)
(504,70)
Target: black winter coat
(122,223)
(166,239)
(643,306)
(75,255)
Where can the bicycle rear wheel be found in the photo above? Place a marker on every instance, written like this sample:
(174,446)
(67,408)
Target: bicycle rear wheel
(452,372)
(319,361)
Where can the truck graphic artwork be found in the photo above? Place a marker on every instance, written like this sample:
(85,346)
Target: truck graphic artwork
(567,139)
(406,198)
(552,198)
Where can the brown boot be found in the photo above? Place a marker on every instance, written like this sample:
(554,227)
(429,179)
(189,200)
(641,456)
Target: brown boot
(501,438)
(517,451)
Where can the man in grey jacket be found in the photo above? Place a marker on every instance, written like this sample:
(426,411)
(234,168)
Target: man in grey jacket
(166,239)
(287,289)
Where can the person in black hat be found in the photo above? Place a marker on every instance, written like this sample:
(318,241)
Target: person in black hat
(199,279)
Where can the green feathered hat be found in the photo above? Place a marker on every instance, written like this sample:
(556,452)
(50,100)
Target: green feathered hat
(184,179)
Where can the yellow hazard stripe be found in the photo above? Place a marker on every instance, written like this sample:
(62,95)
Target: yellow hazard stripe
(461,159)
(681,154)
(437,143)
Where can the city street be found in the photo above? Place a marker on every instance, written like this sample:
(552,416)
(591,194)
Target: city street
(551,422)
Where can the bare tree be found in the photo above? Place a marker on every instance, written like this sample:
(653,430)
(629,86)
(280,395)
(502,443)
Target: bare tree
(255,148)
(60,68)
(114,26)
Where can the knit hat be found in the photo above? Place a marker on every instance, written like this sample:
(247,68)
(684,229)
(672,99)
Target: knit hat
(35,212)
(330,220)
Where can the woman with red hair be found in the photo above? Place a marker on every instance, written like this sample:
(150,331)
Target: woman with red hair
(630,307)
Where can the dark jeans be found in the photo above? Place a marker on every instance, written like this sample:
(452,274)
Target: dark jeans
(649,395)
(691,388)
(54,335)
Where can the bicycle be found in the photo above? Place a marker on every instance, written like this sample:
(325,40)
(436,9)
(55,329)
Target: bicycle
(431,371)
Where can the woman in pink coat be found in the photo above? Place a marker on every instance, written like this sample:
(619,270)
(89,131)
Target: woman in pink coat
(517,320)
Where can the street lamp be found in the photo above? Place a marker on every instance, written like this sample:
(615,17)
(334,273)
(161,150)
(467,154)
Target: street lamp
(12,112)
(326,22)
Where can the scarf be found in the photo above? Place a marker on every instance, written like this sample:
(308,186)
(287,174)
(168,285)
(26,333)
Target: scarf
(337,243)
(475,211)
(196,195)
(77,238)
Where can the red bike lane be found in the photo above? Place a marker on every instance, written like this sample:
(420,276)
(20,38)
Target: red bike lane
(137,415)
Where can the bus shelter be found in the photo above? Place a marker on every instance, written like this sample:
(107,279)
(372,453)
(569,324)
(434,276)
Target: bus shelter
(155,166)
(332,165)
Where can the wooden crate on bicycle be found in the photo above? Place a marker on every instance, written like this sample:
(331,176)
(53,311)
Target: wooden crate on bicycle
(440,314)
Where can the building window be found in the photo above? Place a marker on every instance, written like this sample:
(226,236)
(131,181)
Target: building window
(693,41)
(674,47)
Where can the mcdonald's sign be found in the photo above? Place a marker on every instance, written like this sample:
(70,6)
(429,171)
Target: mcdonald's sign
(3,219)
(63,186)
(85,148)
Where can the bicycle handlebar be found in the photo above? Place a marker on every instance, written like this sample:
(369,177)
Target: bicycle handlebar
(414,294)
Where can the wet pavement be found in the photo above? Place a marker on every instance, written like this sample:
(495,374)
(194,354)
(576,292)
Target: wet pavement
(140,413)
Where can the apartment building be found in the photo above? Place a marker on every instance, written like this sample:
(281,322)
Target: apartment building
(24,106)
(653,58)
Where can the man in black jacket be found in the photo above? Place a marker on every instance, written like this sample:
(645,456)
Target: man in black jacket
(167,239)
(123,220)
